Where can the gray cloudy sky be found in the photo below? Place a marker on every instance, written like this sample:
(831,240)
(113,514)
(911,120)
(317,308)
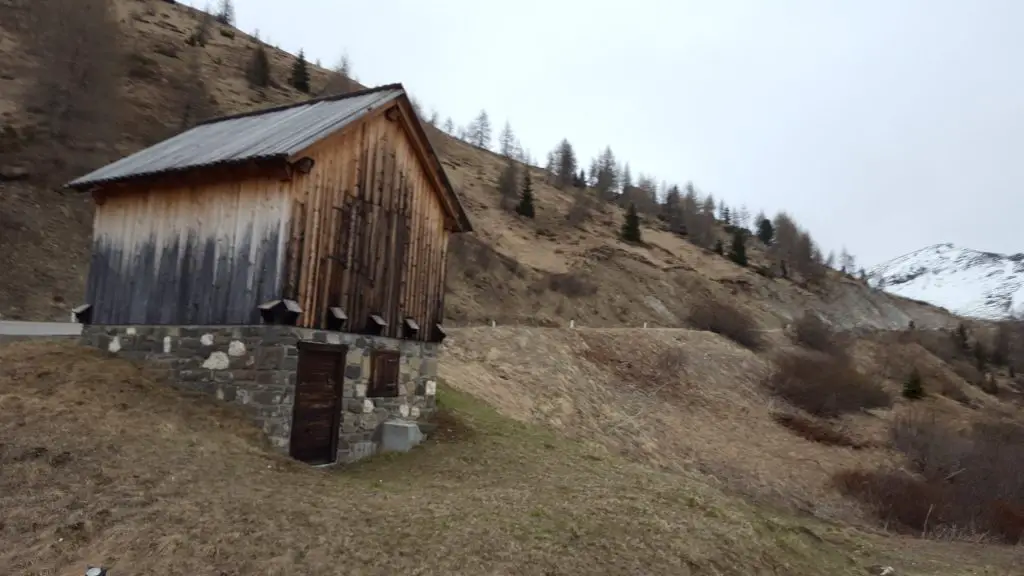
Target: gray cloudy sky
(881,125)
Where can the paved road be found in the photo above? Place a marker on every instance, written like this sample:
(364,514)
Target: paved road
(18,328)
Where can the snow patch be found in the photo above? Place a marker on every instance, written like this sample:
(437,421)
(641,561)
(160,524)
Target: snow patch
(964,281)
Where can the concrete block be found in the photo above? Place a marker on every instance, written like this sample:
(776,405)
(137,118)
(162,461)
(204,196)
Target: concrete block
(399,436)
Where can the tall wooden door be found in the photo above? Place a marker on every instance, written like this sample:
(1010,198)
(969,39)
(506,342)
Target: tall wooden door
(317,414)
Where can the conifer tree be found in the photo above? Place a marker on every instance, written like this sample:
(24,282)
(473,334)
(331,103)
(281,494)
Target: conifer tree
(300,73)
(738,250)
(673,210)
(627,178)
(258,72)
(912,388)
(449,126)
(340,80)
(201,35)
(631,226)
(508,184)
(507,141)
(765,231)
(605,174)
(480,130)
(525,207)
(563,164)
(226,13)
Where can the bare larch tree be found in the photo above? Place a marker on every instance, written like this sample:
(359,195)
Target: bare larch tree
(77,86)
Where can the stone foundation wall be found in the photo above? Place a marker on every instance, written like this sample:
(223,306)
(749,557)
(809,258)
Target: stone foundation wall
(256,367)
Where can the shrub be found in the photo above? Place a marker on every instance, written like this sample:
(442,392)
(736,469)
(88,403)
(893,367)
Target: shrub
(969,481)
(825,386)
(895,497)
(815,431)
(721,318)
(811,331)
(572,284)
(912,387)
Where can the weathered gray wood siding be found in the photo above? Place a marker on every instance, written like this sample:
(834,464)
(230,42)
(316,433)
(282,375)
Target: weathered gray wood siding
(189,254)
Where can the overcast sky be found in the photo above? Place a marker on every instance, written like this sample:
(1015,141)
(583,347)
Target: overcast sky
(881,125)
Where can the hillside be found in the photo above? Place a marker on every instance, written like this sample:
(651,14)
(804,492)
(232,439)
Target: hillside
(967,282)
(103,466)
(541,272)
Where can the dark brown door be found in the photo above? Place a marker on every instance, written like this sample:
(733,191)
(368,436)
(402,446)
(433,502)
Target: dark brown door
(317,414)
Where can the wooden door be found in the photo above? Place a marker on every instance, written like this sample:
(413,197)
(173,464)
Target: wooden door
(317,414)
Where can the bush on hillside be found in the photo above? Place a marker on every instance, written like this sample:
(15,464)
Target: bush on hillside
(913,388)
(825,386)
(967,483)
(815,431)
(572,284)
(812,332)
(715,316)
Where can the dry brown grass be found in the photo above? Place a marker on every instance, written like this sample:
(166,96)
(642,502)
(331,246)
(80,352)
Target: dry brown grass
(825,385)
(676,400)
(101,466)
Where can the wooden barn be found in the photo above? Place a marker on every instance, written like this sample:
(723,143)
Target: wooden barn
(332,213)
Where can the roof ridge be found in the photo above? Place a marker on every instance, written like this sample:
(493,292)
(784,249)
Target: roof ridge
(331,98)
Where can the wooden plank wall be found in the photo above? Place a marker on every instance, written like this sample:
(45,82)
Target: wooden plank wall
(188,251)
(368,232)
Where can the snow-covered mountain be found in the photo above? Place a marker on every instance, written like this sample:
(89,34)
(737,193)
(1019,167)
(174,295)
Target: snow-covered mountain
(964,281)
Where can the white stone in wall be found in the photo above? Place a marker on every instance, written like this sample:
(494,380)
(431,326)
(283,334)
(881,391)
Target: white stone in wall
(206,339)
(130,332)
(167,344)
(414,412)
(360,390)
(115,345)
(236,348)
(367,406)
(217,361)
(431,388)
(404,410)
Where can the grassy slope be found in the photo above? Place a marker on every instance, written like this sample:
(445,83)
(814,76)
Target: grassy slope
(99,465)
(44,248)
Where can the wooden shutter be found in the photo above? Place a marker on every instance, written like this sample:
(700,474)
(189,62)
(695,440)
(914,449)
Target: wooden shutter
(384,374)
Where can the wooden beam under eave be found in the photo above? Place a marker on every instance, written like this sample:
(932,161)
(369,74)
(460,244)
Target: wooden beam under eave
(199,176)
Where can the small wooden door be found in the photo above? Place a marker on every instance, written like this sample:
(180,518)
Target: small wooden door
(317,414)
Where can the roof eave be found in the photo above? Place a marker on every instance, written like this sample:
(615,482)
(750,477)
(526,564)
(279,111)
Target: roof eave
(83,184)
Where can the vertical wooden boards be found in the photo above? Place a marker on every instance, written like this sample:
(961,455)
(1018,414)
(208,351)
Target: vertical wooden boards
(181,252)
(375,234)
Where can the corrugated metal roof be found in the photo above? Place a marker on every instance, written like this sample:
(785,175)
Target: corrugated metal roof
(273,133)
